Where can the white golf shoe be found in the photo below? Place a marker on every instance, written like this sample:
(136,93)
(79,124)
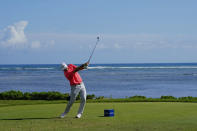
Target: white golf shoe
(78,116)
(62,115)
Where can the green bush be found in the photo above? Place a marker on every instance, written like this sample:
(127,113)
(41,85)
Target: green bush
(187,99)
(91,96)
(168,97)
(17,95)
(27,96)
(55,96)
(137,97)
(100,97)
(52,95)
(11,95)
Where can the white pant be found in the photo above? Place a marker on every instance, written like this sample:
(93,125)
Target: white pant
(75,90)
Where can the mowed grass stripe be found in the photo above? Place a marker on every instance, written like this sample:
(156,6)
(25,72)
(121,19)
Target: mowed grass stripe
(128,116)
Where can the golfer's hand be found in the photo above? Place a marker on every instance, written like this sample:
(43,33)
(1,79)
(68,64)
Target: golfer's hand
(86,64)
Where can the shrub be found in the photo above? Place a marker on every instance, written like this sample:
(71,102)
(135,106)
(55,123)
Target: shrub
(91,96)
(168,97)
(34,96)
(189,98)
(11,95)
(66,96)
(17,95)
(55,96)
(100,97)
(52,95)
(27,96)
(137,97)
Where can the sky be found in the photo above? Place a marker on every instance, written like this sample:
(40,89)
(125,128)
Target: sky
(130,31)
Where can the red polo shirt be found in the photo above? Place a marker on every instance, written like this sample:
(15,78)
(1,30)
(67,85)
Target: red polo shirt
(73,77)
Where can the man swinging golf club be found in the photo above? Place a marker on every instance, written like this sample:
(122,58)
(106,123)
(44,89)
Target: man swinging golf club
(76,83)
(77,87)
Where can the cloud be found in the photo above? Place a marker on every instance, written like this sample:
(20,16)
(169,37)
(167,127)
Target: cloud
(117,46)
(35,44)
(13,35)
(117,42)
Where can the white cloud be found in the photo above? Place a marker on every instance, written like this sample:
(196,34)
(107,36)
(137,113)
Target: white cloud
(13,35)
(35,44)
(117,46)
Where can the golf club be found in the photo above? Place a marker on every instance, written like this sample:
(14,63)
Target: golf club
(93,50)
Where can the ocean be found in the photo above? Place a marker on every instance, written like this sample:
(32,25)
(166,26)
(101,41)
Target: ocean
(108,80)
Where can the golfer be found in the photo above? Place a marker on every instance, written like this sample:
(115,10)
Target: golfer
(77,87)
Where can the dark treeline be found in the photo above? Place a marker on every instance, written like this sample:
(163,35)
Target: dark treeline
(18,95)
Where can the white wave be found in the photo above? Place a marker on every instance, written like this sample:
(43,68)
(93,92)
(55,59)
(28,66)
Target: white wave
(100,67)
(38,68)
(143,67)
(103,67)
(4,68)
(20,68)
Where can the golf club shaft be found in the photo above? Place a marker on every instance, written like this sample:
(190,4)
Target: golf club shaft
(93,50)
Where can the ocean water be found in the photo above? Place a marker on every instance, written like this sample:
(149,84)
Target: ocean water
(109,80)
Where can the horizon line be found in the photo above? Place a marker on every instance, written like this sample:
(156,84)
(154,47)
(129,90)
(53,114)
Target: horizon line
(107,63)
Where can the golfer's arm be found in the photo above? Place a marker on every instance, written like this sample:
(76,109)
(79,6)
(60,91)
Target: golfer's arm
(81,67)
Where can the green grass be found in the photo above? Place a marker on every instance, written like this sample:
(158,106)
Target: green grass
(131,116)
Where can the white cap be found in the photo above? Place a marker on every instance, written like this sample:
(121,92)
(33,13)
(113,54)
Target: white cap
(64,66)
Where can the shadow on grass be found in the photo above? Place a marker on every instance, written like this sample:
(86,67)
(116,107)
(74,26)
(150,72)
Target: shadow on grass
(101,116)
(107,116)
(30,118)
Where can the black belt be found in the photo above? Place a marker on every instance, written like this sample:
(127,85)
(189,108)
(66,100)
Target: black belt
(77,84)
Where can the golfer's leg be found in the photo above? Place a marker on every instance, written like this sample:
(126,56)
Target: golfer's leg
(83,99)
(73,95)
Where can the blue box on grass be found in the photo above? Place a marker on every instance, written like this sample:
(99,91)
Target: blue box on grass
(109,112)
